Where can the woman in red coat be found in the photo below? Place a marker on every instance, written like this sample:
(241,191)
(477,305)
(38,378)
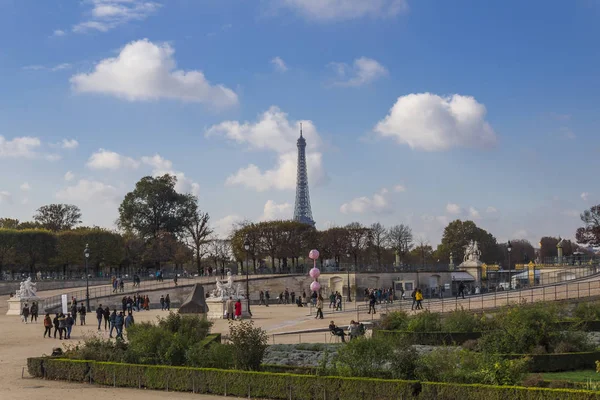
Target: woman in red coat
(238,309)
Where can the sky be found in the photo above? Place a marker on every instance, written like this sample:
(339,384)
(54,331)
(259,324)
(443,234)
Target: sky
(414,111)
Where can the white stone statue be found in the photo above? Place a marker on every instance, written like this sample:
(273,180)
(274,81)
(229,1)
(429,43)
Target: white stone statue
(472,252)
(27,290)
(224,290)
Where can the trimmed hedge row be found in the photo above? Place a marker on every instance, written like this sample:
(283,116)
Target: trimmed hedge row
(281,386)
(560,362)
(430,338)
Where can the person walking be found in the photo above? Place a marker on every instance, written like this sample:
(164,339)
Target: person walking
(147,303)
(106,318)
(168,302)
(119,322)
(332,300)
(47,325)
(419,298)
(82,312)
(461,290)
(267,298)
(175,280)
(62,326)
(34,312)
(319,307)
(56,324)
(414,299)
(69,322)
(129,320)
(238,310)
(25,313)
(261,298)
(162,302)
(99,315)
(113,323)
(372,302)
(229,308)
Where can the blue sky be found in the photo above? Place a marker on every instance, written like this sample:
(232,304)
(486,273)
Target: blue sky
(415,111)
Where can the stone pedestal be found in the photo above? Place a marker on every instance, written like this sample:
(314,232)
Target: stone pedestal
(15,304)
(473,267)
(216,307)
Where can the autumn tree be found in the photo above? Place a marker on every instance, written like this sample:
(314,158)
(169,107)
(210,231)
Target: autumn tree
(589,234)
(459,233)
(58,217)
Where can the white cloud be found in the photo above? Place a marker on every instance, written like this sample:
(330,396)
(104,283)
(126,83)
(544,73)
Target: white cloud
(161,166)
(69,176)
(430,122)
(69,144)
(61,67)
(585,196)
(336,10)
(58,32)
(105,159)
(279,64)
(25,187)
(19,147)
(5,197)
(146,71)
(52,157)
(274,132)
(87,190)
(454,209)
(378,203)
(399,188)
(34,67)
(274,211)
(108,14)
(474,213)
(224,226)
(363,71)
(491,210)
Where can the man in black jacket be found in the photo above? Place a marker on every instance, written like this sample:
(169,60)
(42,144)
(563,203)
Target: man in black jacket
(99,315)
(56,323)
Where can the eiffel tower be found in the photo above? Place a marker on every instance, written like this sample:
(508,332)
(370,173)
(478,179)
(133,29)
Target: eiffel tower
(302,211)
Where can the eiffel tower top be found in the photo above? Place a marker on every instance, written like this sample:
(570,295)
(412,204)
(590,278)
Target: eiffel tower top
(302,209)
(301,140)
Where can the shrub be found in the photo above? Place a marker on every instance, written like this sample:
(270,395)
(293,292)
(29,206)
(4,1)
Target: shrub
(461,321)
(395,321)
(425,322)
(462,366)
(587,311)
(96,348)
(534,380)
(249,345)
(471,345)
(216,355)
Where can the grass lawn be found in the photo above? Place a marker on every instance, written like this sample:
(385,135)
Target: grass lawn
(574,376)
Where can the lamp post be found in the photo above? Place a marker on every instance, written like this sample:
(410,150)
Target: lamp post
(509,248)
(247,248)
(86,253)
(348,275)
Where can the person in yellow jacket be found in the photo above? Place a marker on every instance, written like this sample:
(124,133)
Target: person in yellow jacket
(419,299)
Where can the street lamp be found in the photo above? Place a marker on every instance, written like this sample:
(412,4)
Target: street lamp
(348,274)
(509,248)
(86,253)
(247,248)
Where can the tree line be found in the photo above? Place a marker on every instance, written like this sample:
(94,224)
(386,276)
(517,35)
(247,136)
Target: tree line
(158,225)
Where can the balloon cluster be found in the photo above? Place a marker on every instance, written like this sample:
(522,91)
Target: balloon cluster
(314,272)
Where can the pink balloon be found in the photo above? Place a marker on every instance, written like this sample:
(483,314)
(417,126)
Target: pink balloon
(315,286)
(314,254)
(314,273)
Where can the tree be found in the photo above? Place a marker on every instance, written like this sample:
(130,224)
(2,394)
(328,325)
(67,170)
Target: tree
(459,233)
(357,240)
(9,223)
(589,234)
(522,252)
(154,207)
(334,243)
(8,242)
(198,235)
(58,217)
(378,240)
(35,246)
(400,239)
(421,252)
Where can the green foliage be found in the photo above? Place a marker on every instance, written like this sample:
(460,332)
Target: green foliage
(282,386)
(462,366)
(587,311)
(458,234)
(425,321)
(216,355)
(461,321)
(519,329)
(395,321)
(58,217)
(376,358)
(249,344)
(96,348)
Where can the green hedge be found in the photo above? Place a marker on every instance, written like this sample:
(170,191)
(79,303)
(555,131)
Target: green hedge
(430,338)
(281,386)
(288,369)
(560,362)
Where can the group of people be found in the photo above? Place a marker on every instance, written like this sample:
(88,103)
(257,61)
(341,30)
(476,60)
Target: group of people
(118,284)
(233,309)
(138,303)
(355,329)
(381,295)
(62,324)
(165,302)
(29,312)
(417,299)
(115,321)
(335,301)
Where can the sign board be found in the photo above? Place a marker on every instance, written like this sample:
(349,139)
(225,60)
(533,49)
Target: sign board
(447,286)
(65,304)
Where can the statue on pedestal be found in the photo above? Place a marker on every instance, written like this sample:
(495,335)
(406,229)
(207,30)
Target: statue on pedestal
(26,290)
(227,289)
